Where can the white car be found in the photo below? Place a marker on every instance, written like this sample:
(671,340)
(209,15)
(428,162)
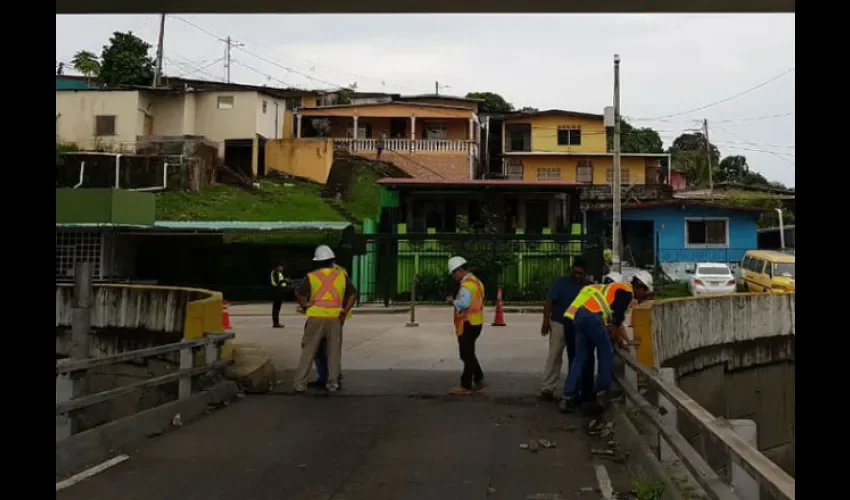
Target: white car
(711,278)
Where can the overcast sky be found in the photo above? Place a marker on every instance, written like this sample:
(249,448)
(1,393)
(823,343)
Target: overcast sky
(671,64)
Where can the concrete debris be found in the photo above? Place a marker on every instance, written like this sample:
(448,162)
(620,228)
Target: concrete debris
(546,443)
(603,452)
(587,489)
(523,446)
(177,421)
(532,446)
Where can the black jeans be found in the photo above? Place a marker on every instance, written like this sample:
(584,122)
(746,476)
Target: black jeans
(277,302)
(472,373)
(588,376)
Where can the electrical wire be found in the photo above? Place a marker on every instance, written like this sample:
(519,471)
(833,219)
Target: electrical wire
(777,155)
(721,101)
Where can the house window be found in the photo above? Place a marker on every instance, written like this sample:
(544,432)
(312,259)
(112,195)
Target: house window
(584,172)
(515,169)
(293,103)
(436,131)
(265,106)
(625,178)
(549,174)
(104,125)
(225,102)
(707,233)
(569,136)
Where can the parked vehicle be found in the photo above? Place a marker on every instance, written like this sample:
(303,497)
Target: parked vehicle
(711,278)
(767,271)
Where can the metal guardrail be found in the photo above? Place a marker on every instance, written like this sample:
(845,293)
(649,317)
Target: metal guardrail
(70,375)
(750,469)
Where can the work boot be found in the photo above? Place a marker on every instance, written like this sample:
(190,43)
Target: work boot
(568,405)
(546,396)
(278,326)
(332,387)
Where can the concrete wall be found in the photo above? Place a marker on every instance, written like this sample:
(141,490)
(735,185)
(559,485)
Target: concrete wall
(734,354)
(77,110)
(127,317)
(425,164)
(130,317)
(305,158)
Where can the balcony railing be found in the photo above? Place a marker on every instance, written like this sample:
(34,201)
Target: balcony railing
(411,145)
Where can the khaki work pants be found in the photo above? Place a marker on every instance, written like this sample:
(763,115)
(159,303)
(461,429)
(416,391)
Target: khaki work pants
(555,358)
(316,330)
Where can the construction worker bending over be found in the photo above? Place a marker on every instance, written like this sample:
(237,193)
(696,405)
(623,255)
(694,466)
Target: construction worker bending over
(327,296)
(321,359)
(469,320)
(598,314)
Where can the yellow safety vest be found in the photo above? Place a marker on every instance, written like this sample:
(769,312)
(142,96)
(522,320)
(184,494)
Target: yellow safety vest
(276,274)
(327,289)
(596,299)
(340,268)
(475,313)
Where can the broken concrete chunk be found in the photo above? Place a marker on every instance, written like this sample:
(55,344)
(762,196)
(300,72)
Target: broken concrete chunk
(546,443)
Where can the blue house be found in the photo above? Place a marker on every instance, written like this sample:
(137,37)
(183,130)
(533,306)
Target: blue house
(678,233)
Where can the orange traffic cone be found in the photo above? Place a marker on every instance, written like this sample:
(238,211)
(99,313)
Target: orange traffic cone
(225,317)
(500,310)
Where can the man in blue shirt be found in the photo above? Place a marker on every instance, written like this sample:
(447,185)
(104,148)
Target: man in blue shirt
(561,332)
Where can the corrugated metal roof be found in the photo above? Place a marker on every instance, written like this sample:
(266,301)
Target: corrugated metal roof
(686,203)
(215,226)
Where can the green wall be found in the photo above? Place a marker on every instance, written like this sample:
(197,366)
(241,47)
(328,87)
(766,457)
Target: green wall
(105,206)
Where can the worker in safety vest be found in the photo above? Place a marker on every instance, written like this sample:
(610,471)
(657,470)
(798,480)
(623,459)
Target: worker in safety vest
(598,314)
(279,285)
(321,359)
(469,320)
(327,296)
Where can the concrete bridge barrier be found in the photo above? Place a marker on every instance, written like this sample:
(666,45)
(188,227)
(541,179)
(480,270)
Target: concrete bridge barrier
(128,318)
(734,355)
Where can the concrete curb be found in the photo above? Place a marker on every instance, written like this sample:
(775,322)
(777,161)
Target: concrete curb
(99,444)
(640,454)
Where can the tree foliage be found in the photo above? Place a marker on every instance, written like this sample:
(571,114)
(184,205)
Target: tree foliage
(493,103)
(636,140)
(126,61)
(86,63)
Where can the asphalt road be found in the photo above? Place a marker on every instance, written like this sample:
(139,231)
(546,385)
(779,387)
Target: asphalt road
(392,447)
(391,434)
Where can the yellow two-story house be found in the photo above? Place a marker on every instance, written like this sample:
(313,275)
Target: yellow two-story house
(570,146)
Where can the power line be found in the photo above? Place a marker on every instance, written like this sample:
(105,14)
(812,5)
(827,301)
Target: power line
(732,97)
(777,155)
(255,70)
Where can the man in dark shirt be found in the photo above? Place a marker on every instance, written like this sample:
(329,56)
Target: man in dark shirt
(279,285)
(561,331)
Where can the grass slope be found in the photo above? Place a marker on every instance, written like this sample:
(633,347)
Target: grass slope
(277,200)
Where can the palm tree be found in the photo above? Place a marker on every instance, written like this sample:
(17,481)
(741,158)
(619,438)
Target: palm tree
(86,63)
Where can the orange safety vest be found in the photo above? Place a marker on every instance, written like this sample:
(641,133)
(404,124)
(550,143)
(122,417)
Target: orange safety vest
(327,288)
(474,315)
(597,299)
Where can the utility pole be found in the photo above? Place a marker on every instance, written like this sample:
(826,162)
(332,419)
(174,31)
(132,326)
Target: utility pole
(157,70)
(437,88)
(708,155)
(229,44)
(616,188)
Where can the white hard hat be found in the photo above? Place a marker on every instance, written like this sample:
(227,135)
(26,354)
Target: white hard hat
(644,278)
(612,277)
(323,252)
(455,262)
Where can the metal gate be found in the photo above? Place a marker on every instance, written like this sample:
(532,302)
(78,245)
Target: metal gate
(385,266)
